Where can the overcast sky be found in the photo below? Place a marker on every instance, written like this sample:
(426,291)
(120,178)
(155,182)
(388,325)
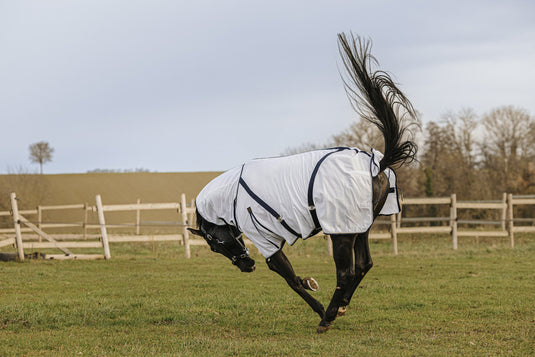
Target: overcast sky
(205,85)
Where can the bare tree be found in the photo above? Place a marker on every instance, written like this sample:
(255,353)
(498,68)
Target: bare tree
(360,134)
(41,153)
(461,125)
(439,160)
(449,159)
(509,147)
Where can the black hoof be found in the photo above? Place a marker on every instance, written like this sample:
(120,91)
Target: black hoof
(323,329)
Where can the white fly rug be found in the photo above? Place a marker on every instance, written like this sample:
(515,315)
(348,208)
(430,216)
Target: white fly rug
(273,200)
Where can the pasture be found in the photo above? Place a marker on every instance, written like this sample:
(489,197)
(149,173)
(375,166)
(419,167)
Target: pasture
(149,300)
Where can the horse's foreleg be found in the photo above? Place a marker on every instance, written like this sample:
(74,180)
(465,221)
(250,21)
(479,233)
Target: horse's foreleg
(345,275)
(280,264)
(363,263)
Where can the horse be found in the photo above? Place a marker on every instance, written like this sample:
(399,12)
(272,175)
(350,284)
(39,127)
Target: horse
(338,190)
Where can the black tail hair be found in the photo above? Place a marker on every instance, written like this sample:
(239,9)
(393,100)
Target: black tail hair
(375,97)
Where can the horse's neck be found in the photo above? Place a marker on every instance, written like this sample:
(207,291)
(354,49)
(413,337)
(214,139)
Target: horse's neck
(381,187)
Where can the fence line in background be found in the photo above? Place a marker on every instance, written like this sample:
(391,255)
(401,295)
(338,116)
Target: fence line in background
(138,207)
(19,220)
(65,241)
(506,206)
(14,236)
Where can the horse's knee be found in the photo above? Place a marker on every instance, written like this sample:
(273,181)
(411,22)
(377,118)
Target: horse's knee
(271,265)
(281,266)
(364,267)
(368,266)
(276,263)
(345,278)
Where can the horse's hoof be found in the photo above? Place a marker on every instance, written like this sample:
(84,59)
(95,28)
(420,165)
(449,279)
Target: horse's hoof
(310,284)
(341,311)
(323,329)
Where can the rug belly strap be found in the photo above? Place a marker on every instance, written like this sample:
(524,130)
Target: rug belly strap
(268,208)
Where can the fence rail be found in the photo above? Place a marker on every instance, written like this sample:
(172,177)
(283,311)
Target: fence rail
(505,207)
(14,236)
(34,234)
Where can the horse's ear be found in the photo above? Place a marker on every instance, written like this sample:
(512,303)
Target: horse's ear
(195,231)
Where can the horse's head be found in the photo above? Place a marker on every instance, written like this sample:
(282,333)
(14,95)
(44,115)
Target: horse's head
(225,240)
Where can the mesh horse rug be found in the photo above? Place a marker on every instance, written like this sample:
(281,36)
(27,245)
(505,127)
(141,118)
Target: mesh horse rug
(277,200)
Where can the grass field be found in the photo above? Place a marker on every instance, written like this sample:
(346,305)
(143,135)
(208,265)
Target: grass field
(149,300)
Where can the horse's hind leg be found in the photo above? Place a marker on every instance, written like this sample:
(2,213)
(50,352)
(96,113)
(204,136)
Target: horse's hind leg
(345,275)
(280,264)
(363,263)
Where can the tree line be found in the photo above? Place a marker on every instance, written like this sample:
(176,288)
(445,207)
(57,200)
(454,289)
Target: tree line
(475,156)
(480,157)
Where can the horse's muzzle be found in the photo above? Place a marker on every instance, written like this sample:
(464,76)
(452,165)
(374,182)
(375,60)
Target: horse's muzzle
(246,265)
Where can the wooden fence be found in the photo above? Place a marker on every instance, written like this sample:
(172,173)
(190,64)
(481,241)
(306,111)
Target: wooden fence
(19,220)
(186,214)
(505,208)
(21,226)
(398,224)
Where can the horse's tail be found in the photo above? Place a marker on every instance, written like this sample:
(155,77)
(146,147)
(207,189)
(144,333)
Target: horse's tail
(376,98)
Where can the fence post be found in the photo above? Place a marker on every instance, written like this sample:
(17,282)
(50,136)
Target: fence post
(138,216)
(185,232)
(510,226)
(504,210)
(394,233)
(16,222)
(103,231)
(84,232)
(453,219)
(39,220)
(192,219)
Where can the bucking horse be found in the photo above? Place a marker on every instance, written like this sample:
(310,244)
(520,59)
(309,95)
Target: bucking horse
(339,191)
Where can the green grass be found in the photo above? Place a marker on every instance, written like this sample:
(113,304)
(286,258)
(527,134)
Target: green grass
(149,300)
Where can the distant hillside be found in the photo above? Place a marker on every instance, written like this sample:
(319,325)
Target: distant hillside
(33,190)
(113,187)
(126,187)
